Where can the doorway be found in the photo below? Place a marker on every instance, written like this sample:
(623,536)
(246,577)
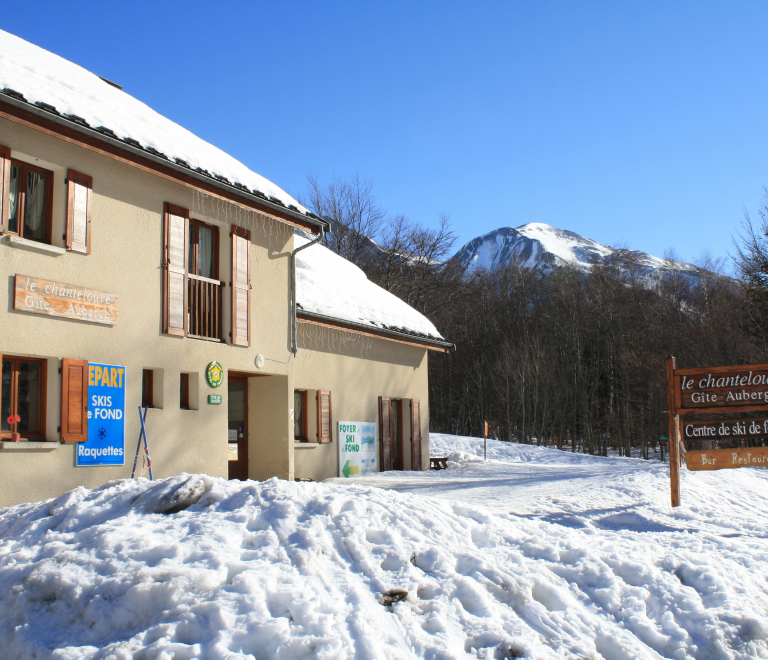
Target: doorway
(398,462)
(237,425)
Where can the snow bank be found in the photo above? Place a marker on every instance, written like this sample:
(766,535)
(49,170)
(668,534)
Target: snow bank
(196,567)
(466,448)
(42,76)
(330,285)
(687,583)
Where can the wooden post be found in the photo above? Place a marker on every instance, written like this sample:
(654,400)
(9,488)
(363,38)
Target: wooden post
(674,434)
(485,438)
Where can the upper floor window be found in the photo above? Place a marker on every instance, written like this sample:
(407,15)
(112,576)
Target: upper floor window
(192,292)
(203,249)
(30,202)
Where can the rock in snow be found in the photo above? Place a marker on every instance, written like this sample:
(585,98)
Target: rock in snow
(299,570)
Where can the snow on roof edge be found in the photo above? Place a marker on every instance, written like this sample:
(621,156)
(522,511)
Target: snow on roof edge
(327,285)
(44,81)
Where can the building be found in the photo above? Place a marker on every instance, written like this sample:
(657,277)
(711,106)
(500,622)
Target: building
(145,267)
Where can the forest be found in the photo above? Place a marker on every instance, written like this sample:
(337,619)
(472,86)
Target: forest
(570,358)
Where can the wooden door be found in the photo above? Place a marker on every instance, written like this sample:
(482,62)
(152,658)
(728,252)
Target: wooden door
(237,427)
(415,435)
(385,432)
(398,459)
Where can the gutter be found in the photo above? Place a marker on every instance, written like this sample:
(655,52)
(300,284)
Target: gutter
(294,322)
(51,114)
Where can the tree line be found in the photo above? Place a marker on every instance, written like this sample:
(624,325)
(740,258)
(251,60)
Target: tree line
(569,358)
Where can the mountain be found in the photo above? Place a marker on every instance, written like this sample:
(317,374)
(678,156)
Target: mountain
(543,247)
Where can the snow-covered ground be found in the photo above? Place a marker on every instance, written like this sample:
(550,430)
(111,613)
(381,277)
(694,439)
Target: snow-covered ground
(534,553)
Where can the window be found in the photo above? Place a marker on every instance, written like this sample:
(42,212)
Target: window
(23,398)
(30,202)
(184,393)
(147,388)
(192,304)
(203,249)
(300,416)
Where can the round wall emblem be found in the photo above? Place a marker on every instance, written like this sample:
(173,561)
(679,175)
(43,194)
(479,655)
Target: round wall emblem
(214,374)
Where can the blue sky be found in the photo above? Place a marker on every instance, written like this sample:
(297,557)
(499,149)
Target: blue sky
(633,123)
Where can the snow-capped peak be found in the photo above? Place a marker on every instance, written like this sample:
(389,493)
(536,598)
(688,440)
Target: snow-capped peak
(541,246)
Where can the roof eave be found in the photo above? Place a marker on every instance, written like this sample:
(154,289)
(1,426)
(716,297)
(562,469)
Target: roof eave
(429,343)
(165,162)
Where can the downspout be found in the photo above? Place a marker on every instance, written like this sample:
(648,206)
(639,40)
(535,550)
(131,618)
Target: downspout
(294,323)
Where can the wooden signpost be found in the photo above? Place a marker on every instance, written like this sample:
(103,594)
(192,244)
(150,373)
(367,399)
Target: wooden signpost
(722,440)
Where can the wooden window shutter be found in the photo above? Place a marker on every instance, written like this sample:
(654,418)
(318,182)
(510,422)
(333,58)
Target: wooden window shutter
(79,204)
(385,432)
(241,286)
(74,400)
(5,183)
(175,231)
(324,415)
(415,435)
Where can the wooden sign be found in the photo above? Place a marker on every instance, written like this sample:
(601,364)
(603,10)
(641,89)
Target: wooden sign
(715,390)
(719,459)
(721,389)
(723,429)
(65,300)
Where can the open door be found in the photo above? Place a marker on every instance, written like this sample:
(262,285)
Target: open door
(237,425)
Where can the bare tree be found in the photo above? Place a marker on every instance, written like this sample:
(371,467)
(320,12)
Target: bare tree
(751,261)
(353,211)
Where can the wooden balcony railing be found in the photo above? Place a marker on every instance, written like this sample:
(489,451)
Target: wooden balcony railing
(204,296)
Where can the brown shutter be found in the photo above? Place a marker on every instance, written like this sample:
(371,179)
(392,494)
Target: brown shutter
(74,400)
(324,416)
(176,231)
(79,203)
(5,183)
(241,286)
(385,432)
(415,435)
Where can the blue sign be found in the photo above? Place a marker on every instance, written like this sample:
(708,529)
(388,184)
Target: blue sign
(106,417)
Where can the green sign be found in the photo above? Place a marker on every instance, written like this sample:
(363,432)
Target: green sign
(214,374)
(214,399)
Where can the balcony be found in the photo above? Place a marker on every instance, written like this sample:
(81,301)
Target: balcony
(204,308)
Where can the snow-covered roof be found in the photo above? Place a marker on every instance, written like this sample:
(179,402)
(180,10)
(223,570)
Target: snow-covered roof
(47,79)
(329,285)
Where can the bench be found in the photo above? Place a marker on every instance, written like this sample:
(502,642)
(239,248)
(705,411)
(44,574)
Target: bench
(438,462)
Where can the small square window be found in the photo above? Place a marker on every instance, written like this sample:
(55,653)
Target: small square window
(147,388)
(184,392)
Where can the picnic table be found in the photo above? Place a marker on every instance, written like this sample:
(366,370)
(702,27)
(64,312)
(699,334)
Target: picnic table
(438,462)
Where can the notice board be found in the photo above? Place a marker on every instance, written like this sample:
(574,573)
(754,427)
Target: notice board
(106,417)
(358,448)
